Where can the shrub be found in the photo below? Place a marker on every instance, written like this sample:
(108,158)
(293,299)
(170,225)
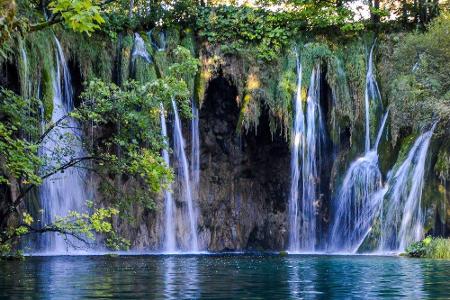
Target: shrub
(430,248)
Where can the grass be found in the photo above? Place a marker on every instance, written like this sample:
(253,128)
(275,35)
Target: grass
(438,248)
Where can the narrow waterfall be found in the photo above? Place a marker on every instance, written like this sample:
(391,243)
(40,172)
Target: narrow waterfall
(372,97)
(25,82)
(139,49)
(169,213)
(403,220)
(185,183)
(65,190)
(310,173)
(356,204)
(195,151)
(159,44)
(298,138)
(308,134)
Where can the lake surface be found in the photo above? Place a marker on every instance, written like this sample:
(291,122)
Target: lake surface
(224,277)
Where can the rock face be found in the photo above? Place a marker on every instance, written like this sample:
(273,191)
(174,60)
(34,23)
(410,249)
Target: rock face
(243,179)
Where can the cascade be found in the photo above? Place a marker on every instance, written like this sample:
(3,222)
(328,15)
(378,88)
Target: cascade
(308,135)
(185,183)
(187,224)
(159,44)
(402,222)
(315,136)
(170,222)
(356,204)
(25,83)
(66,190)
(355,211)
(139,49)
(298,137)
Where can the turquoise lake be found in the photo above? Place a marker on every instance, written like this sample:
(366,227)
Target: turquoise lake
(224,277)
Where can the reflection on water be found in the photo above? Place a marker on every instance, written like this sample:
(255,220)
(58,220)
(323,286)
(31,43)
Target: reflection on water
(224,277)
(302,279)
(180,278)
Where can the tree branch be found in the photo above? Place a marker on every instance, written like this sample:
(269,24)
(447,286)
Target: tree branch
(57,18)
(48,228)
(42,137)
(67,165)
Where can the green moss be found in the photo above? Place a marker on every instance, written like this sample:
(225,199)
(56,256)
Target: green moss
(442,166)
(188,42)
(371,242)
(250,108)
(143,70)
(41,67)
(23,68)
(172,37)
(47,93)
(94,55)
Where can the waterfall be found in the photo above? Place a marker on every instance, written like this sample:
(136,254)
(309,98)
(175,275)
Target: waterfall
(66,190)
(403,221)
(195,151)
(308,134)
(25,83)
(310,173)
(298,137)
(159,44)
(170,222)
(357,203)
(185,181)
(372,93)
(139,49)
(354,210)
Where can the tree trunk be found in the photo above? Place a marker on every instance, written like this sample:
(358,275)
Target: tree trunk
(375,16)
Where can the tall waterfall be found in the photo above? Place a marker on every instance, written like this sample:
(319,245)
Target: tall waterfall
(403,221)
(308,134)
(185,184)
(310,173)
(298,138)
(66,190)
(169,215)
(356,204)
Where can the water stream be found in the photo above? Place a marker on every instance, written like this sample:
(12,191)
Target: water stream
(356,206)
(308,135)
(190,239)
(402,222)
(139,49)
(298,137)
(169,205)
(65,190)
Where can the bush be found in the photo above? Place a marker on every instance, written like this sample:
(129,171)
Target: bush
(430,248)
